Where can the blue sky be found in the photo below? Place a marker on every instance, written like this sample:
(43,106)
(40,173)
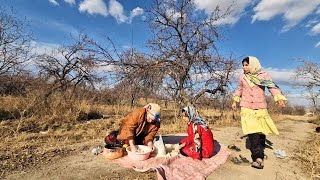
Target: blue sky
(275,31)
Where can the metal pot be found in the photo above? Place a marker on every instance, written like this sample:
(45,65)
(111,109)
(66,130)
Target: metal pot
(112,151)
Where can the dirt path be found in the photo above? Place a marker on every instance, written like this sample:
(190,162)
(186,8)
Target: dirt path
(292,132)
(84,165)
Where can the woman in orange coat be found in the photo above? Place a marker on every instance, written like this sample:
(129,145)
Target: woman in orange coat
(138,127)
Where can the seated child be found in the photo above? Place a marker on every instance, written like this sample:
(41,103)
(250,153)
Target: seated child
(199,143)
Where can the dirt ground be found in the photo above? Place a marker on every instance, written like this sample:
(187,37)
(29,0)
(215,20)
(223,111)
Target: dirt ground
(81,164)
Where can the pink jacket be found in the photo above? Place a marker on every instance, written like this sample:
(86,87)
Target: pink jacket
(254,97)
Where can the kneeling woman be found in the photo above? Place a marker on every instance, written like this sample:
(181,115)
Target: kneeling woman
(199,143)
(138,127)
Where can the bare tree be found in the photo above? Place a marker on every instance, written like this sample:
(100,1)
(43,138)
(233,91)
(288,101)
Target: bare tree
(14,42)
(313,94)
(309,73)
(139,73)
(183,65)
(70,66)
(184,47)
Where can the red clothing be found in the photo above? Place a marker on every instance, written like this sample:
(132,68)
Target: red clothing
(206,139)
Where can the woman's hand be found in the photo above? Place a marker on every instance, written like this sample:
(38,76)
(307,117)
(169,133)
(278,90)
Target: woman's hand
(281,103)
(132,146)
(150,145)
(182,145)
(234,105)
(133,149)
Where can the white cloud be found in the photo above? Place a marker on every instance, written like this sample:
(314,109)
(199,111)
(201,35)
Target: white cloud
(298,99)
(40,48)
(317,45)
(67,28)
(44,22)
(227,20)
(316,29)
(126,47)
(135,12)
(54,2)
(71,2)
(237,8)
(292,11)
(311,23)
(93,7)
(43,48)
(281,76)
(267,9)
(116,10)
(172,14)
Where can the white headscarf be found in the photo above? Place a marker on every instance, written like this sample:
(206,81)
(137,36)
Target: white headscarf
(254,64)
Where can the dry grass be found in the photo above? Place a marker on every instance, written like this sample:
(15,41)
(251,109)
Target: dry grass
(34,140)
(25,149)
(281,117)
(40,133)
(308,153)
(314,120)
(309,156)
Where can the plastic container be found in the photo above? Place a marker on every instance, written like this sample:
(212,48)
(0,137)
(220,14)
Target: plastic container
(160,147)
(143,153)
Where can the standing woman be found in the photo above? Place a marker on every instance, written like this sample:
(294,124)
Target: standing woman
(199,143)
(255,120)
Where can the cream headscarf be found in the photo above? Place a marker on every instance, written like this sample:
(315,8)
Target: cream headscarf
(254,64)
(253,79)
(153,109)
